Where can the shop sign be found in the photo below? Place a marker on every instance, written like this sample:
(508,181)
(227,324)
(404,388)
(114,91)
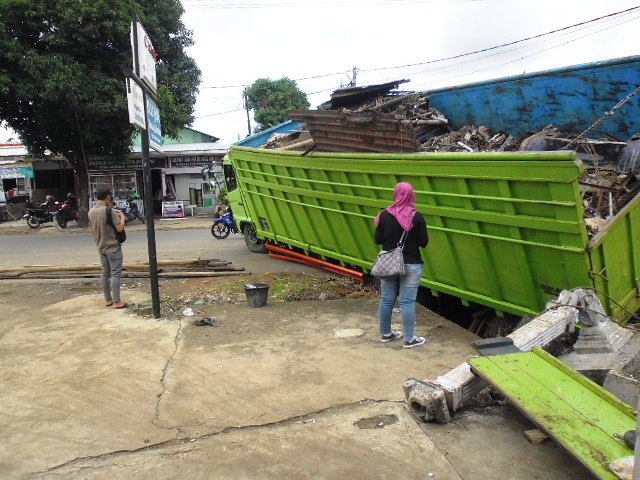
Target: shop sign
(173,209)
(133,164)
(16,170)
(192,161)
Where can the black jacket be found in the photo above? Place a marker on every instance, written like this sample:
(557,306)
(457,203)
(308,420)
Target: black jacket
(389,231)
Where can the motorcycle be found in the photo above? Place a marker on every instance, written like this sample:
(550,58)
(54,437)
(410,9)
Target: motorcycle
(131,211)
(68,211)
(224,225)
(43,213)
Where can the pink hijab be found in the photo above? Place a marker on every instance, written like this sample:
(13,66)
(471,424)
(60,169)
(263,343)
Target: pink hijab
(404,206)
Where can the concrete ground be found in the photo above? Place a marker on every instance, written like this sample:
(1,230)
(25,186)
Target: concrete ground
(290,390)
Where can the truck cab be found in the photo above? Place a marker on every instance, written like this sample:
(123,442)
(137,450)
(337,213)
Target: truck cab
(234,196)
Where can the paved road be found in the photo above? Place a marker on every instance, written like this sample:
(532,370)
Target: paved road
(49,247)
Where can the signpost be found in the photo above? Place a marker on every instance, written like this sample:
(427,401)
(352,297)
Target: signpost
(143,77)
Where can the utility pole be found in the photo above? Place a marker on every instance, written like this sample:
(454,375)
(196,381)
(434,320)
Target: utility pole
(353,81)
(246,106)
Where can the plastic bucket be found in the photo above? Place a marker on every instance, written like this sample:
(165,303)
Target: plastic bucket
(257,294)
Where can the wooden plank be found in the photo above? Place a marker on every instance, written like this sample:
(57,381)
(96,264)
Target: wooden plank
(569,410)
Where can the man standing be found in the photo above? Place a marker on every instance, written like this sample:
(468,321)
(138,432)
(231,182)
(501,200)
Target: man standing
(109,247)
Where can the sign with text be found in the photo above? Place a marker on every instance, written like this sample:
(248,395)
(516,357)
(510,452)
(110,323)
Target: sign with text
(173,209)
(192,161)
(147,57)
(131,164)
(135,100)
(155,129)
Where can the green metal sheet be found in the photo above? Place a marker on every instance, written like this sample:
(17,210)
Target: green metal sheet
(580,415)
(506,229)
(615,262)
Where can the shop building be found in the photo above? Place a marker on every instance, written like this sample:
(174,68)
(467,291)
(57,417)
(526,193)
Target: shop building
(175,173)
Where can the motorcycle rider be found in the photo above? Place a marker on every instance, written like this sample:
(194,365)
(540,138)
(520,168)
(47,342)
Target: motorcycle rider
(131,209)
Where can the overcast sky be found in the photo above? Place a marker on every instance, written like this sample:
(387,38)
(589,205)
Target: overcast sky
(318,43)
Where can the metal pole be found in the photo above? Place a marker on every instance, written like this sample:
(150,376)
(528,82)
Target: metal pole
(246,106)
(146,180)
(148,212)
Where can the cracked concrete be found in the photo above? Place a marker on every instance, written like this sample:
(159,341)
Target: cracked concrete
(89,392)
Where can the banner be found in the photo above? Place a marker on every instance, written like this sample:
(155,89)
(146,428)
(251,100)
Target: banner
(173,209)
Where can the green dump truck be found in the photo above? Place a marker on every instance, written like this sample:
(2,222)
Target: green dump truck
(507,228)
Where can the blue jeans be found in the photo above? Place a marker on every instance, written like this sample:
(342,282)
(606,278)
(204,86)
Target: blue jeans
(111,272)
(407,289)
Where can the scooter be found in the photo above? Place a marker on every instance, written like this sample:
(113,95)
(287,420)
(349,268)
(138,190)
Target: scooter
(131,211)
(43,213)
(224,225)
(67,212)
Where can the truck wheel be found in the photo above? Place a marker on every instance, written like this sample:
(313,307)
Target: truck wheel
(254,243)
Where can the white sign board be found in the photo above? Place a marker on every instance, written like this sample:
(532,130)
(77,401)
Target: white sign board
(135,99)
(146,58)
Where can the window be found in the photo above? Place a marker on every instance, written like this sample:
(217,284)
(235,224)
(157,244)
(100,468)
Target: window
(230,178)
(121,184)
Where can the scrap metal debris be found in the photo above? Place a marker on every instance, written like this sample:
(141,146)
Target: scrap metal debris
(379,118)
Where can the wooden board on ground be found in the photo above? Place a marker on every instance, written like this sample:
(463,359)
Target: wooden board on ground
(574,411)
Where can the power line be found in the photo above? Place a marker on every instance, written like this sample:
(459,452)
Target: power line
(505,44)
(455,57)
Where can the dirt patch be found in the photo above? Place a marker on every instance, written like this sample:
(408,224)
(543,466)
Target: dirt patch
(287,287)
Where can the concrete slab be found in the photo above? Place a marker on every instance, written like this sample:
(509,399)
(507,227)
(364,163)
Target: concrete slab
(290,390)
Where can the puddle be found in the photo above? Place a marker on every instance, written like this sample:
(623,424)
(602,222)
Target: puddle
(349,332)
(379,421)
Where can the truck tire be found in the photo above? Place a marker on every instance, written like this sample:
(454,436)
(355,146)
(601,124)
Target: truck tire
(254,243)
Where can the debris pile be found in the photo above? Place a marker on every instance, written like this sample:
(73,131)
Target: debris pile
(471,139)
(376,119)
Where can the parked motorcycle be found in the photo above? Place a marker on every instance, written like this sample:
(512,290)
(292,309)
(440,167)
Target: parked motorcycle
(224,225)
(68,211)
(131,211)
(43,213)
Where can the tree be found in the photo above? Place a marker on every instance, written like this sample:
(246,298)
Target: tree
(271,99)
(62,86)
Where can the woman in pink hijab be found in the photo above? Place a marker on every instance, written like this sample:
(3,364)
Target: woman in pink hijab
(401,217)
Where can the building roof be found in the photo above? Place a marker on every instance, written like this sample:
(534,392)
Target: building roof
(187,149)
(12,152)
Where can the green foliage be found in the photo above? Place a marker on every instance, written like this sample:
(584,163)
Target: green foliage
(271,99)
(62,86)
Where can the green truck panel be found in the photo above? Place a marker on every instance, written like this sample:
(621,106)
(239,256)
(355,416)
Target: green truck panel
(506,229)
